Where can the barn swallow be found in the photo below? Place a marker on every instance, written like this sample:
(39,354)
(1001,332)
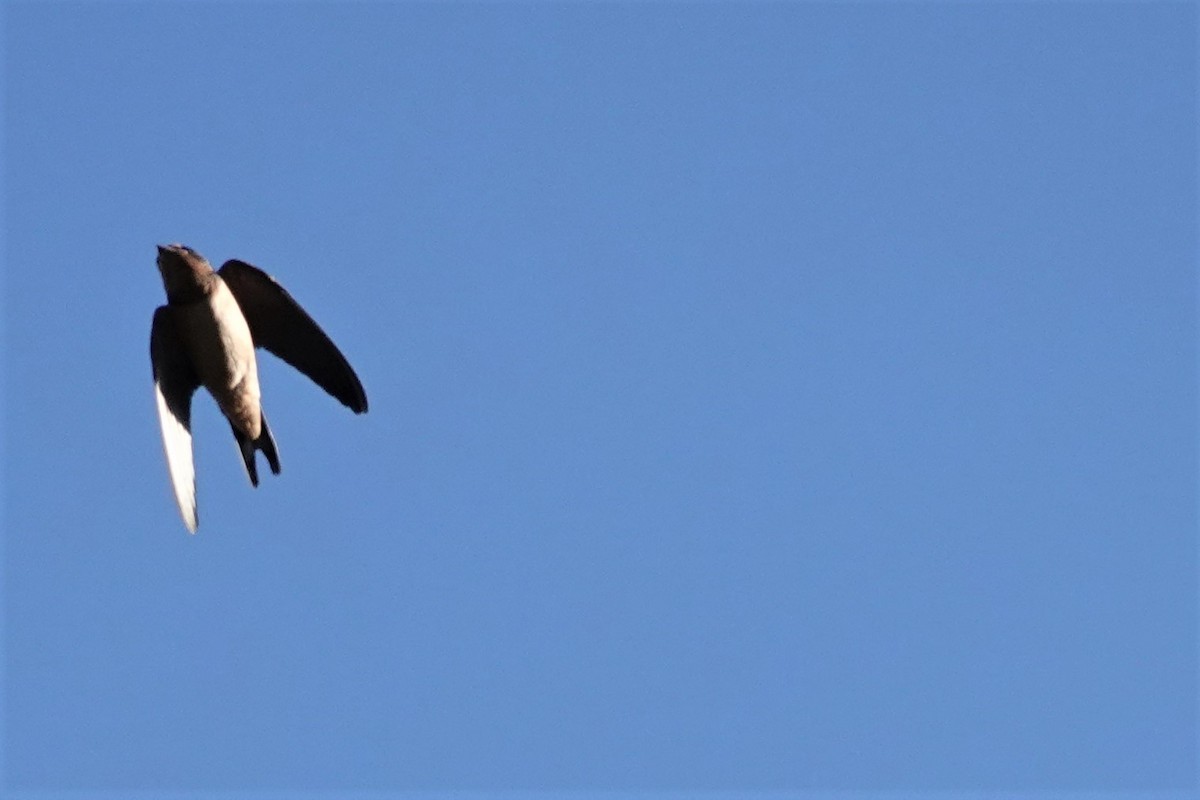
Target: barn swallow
(206,335)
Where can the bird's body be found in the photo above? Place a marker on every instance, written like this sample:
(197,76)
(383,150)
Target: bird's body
(206,335)
(219,343)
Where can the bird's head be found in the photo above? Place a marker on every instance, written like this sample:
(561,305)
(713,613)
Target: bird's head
(185,273)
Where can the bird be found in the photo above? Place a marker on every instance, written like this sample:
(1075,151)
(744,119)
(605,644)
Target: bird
(206,335)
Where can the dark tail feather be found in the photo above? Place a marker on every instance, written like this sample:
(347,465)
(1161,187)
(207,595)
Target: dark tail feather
(248,446)
(266,443)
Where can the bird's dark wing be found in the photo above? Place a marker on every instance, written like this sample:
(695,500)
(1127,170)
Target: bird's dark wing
(175,382)
(279,325)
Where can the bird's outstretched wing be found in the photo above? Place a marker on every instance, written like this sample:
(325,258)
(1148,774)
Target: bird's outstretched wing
(279,325)
(175,382)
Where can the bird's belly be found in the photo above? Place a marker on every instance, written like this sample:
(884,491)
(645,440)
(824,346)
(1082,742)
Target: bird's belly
(223,354)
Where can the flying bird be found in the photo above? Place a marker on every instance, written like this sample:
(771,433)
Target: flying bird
(206,336)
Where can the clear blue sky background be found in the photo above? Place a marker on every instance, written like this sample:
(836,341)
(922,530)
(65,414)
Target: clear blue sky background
(789,397)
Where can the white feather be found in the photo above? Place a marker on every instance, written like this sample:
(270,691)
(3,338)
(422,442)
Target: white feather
(177,444)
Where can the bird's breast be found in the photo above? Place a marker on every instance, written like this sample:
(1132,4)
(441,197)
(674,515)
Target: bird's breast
(222,351)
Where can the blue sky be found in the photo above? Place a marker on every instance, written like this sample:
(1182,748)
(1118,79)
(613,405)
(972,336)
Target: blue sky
(764,397)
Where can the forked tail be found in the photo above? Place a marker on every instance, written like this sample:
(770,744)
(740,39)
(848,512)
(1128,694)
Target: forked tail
(248,447)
